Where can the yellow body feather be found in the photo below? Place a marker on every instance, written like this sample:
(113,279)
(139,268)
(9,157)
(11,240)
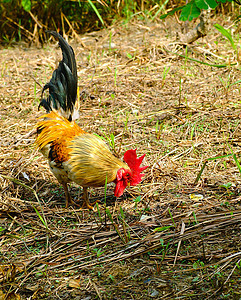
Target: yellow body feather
(75,155)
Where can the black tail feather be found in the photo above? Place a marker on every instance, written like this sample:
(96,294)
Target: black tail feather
(63,84)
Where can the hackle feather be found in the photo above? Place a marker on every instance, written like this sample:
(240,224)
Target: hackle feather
(91,161)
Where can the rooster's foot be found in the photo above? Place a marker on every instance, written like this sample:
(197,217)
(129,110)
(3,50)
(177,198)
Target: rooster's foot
(87,205)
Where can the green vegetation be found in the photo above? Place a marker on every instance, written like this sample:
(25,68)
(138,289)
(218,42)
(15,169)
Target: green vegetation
(193,8)
(29,19)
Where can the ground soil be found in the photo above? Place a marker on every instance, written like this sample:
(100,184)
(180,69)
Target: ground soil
(175,235)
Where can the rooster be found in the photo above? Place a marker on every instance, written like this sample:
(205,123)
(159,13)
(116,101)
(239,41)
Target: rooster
(73,154)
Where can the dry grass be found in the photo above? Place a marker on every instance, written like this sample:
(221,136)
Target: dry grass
(170,245)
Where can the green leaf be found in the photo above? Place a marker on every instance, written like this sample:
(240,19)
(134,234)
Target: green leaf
(201,62)
(129,55)
(226,33)
(122,213)
(237,162)
(193,9)
(112,137)
(226,185)
(96,11)
(214,158)
(98,210)
(219,157)
(26,4)
(224,1)
(190,11)
(162,242)
(195,217)
(206,4)
(109,215)
(195,266)
(40,217)
(138,199)
(112,277)
(236,82)
(201,4)
(162,228)
(212,3)
(172,12)
(195,279)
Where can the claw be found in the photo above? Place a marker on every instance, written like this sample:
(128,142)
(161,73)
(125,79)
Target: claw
(87,205)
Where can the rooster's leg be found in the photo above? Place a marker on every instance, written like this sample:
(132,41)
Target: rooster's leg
(86,203)
(67,195)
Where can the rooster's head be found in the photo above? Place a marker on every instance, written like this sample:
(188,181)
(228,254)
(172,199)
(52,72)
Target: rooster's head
(132,176)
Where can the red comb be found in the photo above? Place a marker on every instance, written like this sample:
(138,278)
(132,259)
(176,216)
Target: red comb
(134,163)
